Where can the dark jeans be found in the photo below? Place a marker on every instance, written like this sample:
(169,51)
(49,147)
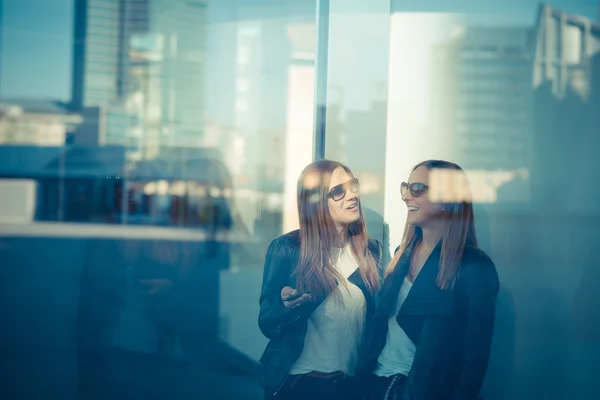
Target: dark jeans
(305,387)
(389,388)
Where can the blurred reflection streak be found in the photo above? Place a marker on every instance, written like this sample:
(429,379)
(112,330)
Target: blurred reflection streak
(485,186)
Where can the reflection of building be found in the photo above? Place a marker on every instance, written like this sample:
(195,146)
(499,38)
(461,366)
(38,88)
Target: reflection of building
(142,61)
(443,93)
(493,121)
(261,77)
(565,45)
(567,99)
(183,187)
(358,149)
(481,102)
(40,123)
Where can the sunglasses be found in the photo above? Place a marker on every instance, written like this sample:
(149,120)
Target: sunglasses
(416,188)
(338,192)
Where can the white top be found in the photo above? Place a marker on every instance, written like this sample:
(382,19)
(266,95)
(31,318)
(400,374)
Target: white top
(336,327)
(399,351)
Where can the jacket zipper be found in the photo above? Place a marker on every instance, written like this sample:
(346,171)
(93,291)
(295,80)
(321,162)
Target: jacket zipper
(389,389)
(282,383)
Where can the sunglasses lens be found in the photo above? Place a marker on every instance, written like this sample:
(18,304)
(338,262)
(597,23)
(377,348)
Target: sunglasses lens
(337,193)
(417,189)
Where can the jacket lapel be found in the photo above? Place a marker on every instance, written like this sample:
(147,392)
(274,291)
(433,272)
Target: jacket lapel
(356,279)
(425,297)
(388,295)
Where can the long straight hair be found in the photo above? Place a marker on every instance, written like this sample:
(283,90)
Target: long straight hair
(315,270)
(458,229)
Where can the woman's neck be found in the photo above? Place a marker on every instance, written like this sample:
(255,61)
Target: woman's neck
(431,236)
(341,236)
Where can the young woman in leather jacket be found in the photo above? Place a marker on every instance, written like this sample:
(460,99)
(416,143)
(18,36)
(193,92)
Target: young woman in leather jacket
(315,339)
(435,312)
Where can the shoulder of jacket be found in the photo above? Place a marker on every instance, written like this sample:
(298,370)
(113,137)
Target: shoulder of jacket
(475,256)
(287,240)
(476,264)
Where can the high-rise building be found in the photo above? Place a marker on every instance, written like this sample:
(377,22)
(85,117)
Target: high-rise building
(142,61)
(494,98)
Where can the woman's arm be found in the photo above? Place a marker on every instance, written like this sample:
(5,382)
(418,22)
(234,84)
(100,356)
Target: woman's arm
(274,317)
(480,284)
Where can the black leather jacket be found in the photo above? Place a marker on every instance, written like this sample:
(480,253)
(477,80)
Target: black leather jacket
(286,327)
(452,329)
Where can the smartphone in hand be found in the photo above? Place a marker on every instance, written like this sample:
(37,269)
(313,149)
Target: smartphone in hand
(296,296)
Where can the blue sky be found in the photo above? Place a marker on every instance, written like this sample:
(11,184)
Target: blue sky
(37,36)
(36,51)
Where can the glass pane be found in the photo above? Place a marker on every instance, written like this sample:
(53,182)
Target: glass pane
(149,152)
(356,99)
(509,91)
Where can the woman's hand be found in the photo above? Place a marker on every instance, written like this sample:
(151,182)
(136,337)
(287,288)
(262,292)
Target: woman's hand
(287,292)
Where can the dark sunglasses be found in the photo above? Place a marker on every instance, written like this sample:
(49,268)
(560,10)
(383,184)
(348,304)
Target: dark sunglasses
(416,188)
(338,192)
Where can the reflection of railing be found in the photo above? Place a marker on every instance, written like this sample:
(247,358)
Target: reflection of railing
(72,230)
